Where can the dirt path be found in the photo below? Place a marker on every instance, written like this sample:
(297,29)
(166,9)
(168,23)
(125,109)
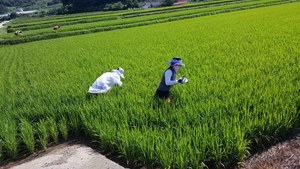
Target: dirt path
(285,155)
(2,23)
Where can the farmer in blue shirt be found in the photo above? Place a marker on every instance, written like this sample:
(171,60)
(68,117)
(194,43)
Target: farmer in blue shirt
(169,79)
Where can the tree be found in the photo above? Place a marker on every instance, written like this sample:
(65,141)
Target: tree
(50,3)
(55,1)
(132,4)
(117,6)
(3,9)
(13,15)
(85,5)
(19,3)
(65,2)
(169,2)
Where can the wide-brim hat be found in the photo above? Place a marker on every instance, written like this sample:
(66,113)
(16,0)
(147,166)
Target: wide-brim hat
(176,61)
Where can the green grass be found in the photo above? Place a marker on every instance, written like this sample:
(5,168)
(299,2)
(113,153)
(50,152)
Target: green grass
(243,89)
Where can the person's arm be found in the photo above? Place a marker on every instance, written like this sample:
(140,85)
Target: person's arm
(116,79)
(119,83)
(168,80)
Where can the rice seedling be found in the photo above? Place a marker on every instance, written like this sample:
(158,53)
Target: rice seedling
(74,123)
(63,128)
(1,151)
(146,143)
(42,133)
(9,137)
(27,135)
(53,130)
(128,149)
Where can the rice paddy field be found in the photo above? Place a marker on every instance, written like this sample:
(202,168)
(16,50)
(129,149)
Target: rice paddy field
(243,90)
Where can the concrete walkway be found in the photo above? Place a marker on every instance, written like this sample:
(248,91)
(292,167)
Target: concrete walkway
(77,156)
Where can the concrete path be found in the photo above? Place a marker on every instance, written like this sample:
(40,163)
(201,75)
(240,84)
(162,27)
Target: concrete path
(76,156)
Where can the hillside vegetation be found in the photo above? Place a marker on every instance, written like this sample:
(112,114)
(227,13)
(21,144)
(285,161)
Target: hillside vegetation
(243,89)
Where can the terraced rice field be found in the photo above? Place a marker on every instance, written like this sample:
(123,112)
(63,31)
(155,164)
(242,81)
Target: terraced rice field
(243,89)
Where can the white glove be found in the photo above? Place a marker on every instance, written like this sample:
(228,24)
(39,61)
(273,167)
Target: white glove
(184,80)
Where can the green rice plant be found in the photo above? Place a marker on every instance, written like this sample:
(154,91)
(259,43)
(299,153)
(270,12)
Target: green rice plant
(27,135)
(42,133)
(75,123)
(63,128)
(243,89)
(91,125)
(165,152)
(145,143)
(128,146)
(53,130)
(106,135)
(1,150)
(9,137)
(198,146)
